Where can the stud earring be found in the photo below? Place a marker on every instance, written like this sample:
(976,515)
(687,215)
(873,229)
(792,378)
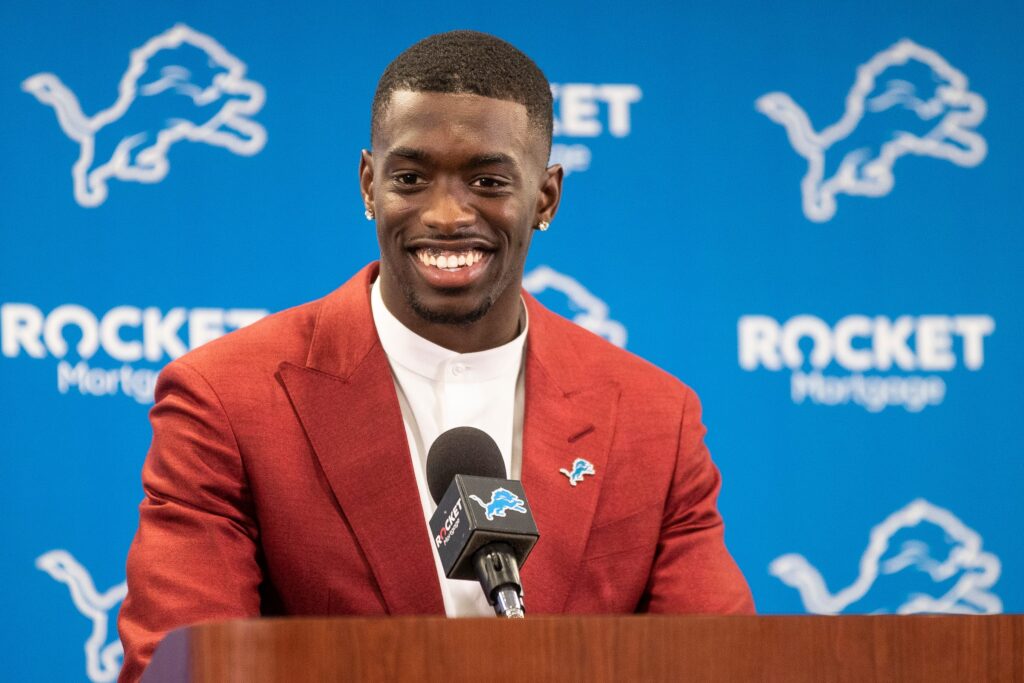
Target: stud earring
(369,214)
(543,225)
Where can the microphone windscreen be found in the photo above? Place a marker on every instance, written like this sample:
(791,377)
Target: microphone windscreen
(463,450)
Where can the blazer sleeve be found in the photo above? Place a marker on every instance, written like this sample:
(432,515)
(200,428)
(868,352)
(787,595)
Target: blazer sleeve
(195,555)
(693,572)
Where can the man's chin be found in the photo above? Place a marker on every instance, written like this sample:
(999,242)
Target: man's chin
(448,313)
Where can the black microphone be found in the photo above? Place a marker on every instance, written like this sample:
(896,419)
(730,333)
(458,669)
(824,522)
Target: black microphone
(483,528)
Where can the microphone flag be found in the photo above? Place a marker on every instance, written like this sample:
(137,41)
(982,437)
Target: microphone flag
(475,512)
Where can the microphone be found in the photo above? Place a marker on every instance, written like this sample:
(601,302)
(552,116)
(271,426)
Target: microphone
(483,528)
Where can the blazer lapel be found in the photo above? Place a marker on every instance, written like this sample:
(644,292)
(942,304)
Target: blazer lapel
(346,401)
(565,419)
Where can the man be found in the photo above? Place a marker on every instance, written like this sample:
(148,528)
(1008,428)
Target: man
(286,474)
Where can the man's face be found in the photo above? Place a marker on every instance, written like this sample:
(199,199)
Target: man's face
(457,182)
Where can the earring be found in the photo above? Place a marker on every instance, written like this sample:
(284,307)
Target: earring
(543,225)
(369,214)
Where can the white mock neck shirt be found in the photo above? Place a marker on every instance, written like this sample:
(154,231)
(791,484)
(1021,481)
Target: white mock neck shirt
(439,389)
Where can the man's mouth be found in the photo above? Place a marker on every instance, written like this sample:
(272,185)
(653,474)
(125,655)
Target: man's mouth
(449,259)
(451,266)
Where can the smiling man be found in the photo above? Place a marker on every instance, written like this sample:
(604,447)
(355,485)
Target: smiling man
(286,474)
(457,183)
(458,180)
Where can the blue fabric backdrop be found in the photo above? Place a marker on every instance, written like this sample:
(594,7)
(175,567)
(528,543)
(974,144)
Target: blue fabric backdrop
(807,211)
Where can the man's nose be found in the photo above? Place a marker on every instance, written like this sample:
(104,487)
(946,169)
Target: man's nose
(447,209)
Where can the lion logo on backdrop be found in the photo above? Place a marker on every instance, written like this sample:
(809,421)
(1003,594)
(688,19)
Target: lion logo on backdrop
(906,99)
(103,650)
(921,558)
(180,85)
(569,298)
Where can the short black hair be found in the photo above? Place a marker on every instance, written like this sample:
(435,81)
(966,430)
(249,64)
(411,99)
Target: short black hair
(468,62)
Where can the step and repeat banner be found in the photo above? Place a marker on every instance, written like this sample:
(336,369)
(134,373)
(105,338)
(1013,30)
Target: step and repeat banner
(811,213)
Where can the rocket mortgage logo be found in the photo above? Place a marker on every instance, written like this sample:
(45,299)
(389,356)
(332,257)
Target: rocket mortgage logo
(871,362)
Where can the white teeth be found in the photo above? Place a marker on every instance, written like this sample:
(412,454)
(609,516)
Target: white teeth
(451,259)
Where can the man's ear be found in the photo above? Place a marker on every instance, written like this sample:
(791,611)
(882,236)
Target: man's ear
(366,179)
(550,194)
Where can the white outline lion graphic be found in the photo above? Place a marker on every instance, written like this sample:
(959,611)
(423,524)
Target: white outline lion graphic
(102,659)
(592,313)
(962,576)
(142,156)
(949,112)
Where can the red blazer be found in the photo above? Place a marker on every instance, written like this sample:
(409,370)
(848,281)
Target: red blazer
(279,481)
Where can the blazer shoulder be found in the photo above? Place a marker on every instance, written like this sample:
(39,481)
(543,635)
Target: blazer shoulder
(263,345)
(596,357)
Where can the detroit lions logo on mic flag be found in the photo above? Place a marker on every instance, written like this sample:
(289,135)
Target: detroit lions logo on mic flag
(502,500)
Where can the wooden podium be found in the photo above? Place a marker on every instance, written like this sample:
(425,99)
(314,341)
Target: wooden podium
(612,648)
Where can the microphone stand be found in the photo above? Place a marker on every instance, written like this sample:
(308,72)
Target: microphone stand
(498,573)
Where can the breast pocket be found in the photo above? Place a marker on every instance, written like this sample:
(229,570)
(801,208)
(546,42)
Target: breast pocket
(618,561)
(634,531)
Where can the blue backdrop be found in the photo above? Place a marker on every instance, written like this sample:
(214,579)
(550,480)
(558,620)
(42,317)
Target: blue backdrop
(807,211)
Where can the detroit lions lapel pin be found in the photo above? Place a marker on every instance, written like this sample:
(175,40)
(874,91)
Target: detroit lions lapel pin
(579,468)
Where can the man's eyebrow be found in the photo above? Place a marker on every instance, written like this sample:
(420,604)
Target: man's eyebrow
(410,153)
(491,158)
(485,159)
